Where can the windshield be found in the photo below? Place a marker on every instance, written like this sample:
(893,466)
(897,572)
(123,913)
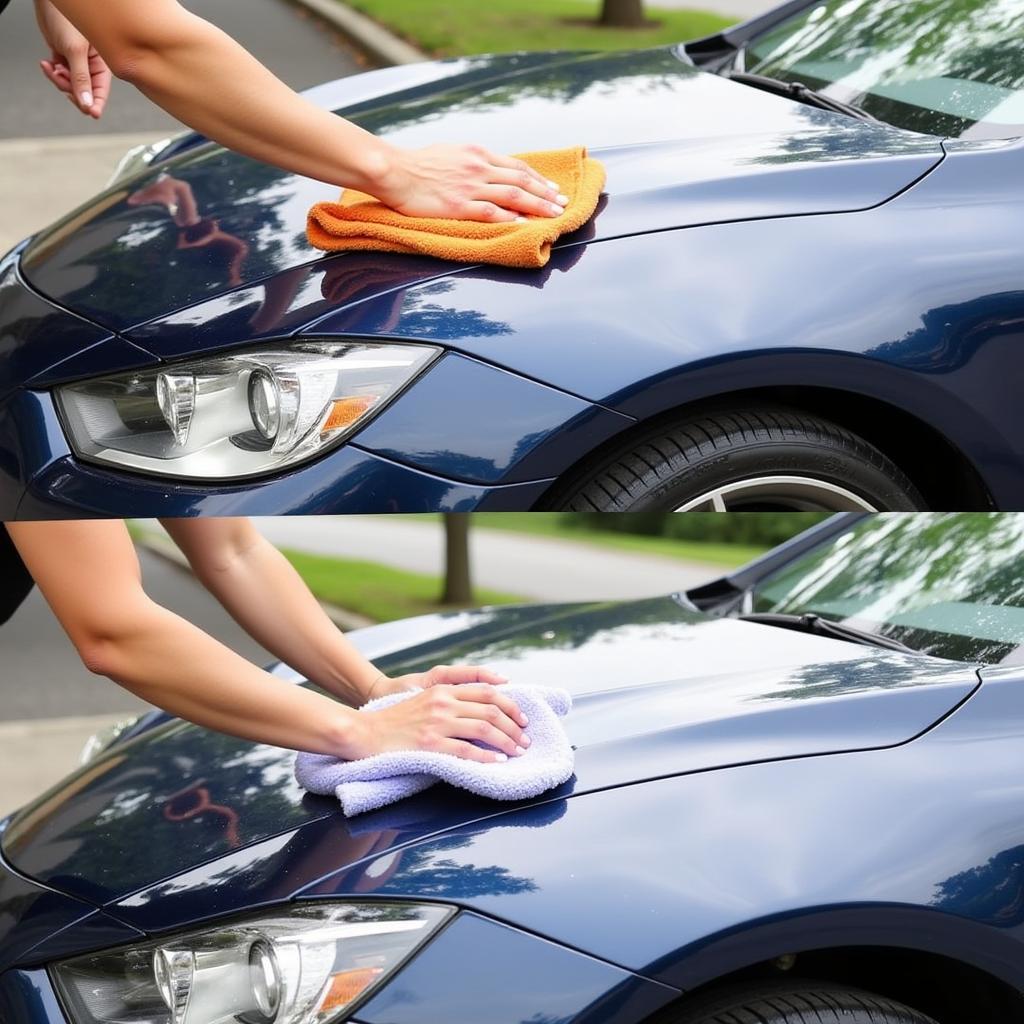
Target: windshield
(944,67)
(947,585)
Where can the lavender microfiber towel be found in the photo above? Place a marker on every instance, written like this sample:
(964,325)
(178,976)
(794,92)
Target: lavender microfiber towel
(372,782)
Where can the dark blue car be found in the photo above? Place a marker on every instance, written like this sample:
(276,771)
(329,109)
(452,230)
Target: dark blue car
(798,799)
(803,290)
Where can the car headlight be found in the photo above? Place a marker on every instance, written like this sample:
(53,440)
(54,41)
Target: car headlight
(239,414)
(100,741)
(301,965)
(138,158)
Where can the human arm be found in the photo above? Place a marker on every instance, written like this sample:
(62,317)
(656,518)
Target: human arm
(74,66)
(208,81)
(268,598)
(90,576)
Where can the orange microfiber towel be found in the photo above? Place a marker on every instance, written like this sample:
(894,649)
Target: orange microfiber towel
(359,221)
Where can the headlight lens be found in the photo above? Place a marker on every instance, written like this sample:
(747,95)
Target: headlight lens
(106,737)
(237,415)
(304,965)
(138,158)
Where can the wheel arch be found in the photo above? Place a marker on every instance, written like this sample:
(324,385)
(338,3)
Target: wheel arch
(952,969)
(949,481)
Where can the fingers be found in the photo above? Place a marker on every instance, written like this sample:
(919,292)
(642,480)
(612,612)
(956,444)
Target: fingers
(475,712)
(89,81)
(81,76)
(457,674)
(57,74)
(485,675)
(486,724)
(489,695)
(529,182)
(101,82)
(518,200)
(487,213)
(515,164)
(460,748)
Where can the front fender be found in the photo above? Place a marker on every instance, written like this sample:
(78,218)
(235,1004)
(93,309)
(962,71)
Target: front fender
(686,879)
(887,303)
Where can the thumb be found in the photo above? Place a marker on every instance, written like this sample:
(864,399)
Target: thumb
(81,78)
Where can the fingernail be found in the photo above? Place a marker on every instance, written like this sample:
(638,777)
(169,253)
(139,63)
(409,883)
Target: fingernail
(520,220)
(553,184)
(502,679)
(562,199)
(524,721)
(557,209)
(520,751)
(499,756)
(526,741)
(87,99)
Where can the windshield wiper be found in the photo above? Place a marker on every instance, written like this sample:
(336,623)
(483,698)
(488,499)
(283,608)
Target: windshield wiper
(799,91)
(811,623)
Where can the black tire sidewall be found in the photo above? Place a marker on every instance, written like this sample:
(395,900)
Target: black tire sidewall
(749,460)
(711,1007)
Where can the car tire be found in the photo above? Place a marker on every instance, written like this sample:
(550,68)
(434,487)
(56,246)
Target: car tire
(765,458)
(794,1003)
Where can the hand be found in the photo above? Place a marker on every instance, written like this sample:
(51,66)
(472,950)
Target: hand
(466,183)
(444,718)
(441,675)
(74,67)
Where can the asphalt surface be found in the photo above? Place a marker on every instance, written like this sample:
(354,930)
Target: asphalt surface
(43,677)
(300,49)
(536,567)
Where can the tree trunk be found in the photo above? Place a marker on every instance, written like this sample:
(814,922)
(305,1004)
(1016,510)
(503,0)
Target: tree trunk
(622,13)
(458,579)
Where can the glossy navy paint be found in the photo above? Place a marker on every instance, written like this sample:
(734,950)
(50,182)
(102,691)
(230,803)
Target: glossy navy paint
(727,776)
(746,244)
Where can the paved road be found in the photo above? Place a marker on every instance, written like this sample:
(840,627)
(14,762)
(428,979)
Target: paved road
(299,49)
(540,568)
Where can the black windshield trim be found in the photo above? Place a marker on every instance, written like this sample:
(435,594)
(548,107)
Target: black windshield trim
(801,93)
(812,623)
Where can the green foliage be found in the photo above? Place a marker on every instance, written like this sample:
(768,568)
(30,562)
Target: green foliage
(378,591)
(459,27)
(759,529)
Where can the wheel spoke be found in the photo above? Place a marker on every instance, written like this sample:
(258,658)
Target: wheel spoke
(783,493)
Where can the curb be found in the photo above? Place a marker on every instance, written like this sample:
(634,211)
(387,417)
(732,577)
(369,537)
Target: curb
(371,37)
(168,551)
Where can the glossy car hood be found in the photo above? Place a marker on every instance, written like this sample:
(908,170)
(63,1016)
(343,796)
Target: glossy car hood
(658,691)
(682,148)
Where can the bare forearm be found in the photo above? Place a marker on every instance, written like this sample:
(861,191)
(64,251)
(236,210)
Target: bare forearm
(211,83)
(176,666)
(268,598)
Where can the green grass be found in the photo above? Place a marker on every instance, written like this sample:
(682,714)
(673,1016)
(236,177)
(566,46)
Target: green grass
(553,524)
(378,591)
(457,27)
